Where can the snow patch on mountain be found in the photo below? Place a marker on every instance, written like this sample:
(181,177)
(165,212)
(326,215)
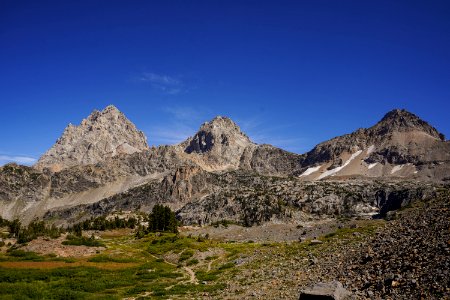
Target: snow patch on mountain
(335,170)
(310,170)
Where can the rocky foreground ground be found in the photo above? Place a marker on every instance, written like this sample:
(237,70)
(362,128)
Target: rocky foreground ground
(407,257)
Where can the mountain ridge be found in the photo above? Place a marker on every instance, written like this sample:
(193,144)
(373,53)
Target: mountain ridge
(400,147)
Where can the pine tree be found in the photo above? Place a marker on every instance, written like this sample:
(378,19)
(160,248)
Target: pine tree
(162,218)
(14,228)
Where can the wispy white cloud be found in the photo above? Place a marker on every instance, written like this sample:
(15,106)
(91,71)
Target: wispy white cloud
(164,83)
(183,113)
(180,123)
(170,134)
(23,160)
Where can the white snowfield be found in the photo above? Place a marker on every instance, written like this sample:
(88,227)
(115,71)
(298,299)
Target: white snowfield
(372,165)
(397,168)
(310,170)
(335,170)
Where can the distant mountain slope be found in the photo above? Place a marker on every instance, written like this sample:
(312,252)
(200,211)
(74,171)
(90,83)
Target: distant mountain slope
(401,144)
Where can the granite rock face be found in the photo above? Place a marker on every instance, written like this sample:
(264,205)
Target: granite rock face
(218,145)
(249,199)
(103,134)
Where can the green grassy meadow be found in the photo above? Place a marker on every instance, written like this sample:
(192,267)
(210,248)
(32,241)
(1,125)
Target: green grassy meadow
(157,266)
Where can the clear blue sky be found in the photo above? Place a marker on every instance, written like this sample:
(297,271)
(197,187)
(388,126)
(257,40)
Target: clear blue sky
(291,73)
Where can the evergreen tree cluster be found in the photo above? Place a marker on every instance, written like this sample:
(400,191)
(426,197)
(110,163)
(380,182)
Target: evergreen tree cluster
(36,229)
(102,224)
(28,233)
(162,219)
(3,222)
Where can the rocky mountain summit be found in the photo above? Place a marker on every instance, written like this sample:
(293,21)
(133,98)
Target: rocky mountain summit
(400,120)
(103,134)
(219,144)
(400,145)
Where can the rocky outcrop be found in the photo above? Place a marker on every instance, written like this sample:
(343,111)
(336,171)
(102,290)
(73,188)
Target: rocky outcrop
(22,183)
(103,134)
(249,199)
(28,193)
(269,160)
(175,189)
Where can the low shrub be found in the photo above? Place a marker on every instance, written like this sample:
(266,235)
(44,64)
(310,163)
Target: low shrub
(192,262)
(186,255)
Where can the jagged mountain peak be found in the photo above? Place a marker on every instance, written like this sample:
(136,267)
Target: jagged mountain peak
(221,123)
(397,114)
(111,108)
(220,131)
(220,142)
(401,120)
(109,113)
(102,134)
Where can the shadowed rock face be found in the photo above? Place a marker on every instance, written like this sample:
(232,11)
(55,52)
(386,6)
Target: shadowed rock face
(103,134)
(219,144)
(220,131)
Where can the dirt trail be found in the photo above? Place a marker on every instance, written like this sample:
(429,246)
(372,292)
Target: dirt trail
(210,263)
(191,273)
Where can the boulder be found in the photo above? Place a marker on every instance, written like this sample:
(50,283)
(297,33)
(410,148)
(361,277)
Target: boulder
(316,242)
(325,291)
